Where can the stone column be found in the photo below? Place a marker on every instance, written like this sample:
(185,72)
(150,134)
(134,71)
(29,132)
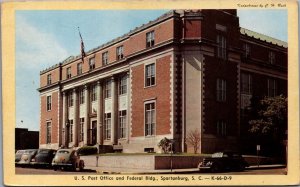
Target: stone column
(113,111)
(75,122)
(128,112)
(64,116)
(86,117)
(99,114)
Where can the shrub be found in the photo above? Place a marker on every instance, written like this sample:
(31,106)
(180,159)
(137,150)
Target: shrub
(164,144)
(87,150)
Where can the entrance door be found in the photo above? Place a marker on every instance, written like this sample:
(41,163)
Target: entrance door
(93,132)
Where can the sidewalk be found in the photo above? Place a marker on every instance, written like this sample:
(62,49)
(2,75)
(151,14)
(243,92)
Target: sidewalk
(103,170)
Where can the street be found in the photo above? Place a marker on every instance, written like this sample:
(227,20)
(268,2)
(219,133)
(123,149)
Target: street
(265,171)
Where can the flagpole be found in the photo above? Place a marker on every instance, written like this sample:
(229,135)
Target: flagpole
(81,46)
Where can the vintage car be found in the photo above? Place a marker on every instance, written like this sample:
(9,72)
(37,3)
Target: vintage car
(43,158)
(223,161)
(67,159)
(27,156)
(18,156)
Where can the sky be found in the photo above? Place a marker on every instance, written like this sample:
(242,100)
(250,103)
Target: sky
(45,38)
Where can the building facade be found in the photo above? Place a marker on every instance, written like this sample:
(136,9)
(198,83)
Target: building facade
(187,71)
(25,139)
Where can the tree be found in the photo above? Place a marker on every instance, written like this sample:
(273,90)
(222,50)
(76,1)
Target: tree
(272,116)
(164,144)
(194,138)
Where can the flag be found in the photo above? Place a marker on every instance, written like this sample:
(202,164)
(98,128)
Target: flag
(82,47)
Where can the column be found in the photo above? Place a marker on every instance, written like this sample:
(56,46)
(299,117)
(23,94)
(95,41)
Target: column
(86,117)
(99,114)
(128,106)
(113,111)
(75,122)
(64,116)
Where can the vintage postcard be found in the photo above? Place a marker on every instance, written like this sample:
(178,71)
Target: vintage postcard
(160,93)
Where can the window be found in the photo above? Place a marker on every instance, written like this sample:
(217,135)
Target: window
(150,39)
(70,99)
(246,47)
(81,96)
(79,68)
(221,45)
(81,133)
(246,86)
(271,57)
(105,58)
(48,133)
(272,87)
(150,75)
(221,128)
(120,52)
(92,63)
(71,131)
(122,124)
(93,93)
(149,119)
(49,102)
(107,125)
(69,75)
(221,90)
(123,85)
(49,79)
(108,89)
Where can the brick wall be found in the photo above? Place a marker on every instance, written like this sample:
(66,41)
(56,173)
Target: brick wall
(52,116)
(161,91)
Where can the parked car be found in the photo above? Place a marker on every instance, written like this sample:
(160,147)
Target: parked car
(222,161)
(43,158)
(27,156)
(18,156)
(67,159)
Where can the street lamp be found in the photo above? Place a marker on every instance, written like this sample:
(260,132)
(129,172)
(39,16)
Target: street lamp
(171,160)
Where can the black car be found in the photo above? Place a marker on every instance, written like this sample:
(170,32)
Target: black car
(223,161)
(43,158)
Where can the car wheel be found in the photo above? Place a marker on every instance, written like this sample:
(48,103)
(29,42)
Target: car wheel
(54,168)
(241,167)
(215,168)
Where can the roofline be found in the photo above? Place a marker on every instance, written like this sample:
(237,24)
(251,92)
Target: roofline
(262,37)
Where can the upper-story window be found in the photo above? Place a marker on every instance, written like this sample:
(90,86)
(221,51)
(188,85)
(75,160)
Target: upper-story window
(107,89)
(150,39)
(49,102)
(92,63)
(69,75)
(272,87)
(70,99)
(49,80)
(150,75)
(221,90)
(120,52)
(79,68)
(123,85)
(247,49)
(93,93)
(81,96)
(105,58)
(271,57)
(246,83)
(221,46)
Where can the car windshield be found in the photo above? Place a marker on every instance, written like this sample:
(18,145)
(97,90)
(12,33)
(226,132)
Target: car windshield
(44,151)
(20,152)
(217,155)
(63,152)
(29,152)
